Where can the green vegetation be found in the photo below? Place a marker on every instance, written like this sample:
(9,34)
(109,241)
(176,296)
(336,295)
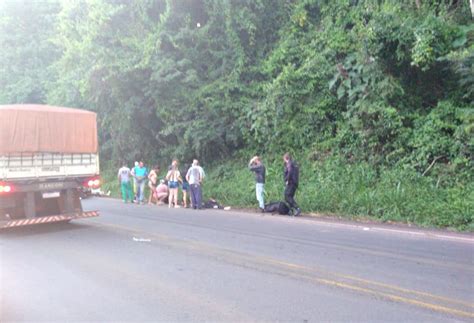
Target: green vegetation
(357,190)
(374,97)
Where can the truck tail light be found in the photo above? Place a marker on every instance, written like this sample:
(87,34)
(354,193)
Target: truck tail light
(5,188)
(92,182)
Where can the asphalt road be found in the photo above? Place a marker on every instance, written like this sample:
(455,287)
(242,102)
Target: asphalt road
(149,263)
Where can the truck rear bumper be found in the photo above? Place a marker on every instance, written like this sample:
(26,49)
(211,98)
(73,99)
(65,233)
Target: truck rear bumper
(47,219)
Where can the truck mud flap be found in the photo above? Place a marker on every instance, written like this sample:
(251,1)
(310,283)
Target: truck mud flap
(47,219)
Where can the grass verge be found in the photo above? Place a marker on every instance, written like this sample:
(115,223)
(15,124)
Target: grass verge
(348,190)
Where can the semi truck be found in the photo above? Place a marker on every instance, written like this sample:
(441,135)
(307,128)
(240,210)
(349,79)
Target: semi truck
(48,154)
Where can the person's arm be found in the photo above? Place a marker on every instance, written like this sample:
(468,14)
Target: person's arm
(287,173)
(187,174)
(168,175)
(255,168)
(119,176)
(180,179)
(202,175)
(251,162)
(132,172)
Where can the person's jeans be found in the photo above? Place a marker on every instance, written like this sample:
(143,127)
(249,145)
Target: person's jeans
(259,189)
(196,196)
(126,189)
(140,191)
(290,191)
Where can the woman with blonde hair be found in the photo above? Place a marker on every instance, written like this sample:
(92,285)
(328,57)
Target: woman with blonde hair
(174,178)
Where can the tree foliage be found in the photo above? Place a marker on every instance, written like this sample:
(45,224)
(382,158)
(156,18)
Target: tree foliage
(389,83)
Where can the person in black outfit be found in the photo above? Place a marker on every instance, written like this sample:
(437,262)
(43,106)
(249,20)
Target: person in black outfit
(291,176)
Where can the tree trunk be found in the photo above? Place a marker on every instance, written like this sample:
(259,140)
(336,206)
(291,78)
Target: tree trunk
(472,8)
(418,3)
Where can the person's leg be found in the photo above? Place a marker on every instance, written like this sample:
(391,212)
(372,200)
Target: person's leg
(123,188)
(129,191)
(142,192)
(185,198)
(290,191)
(193,196)
(259,193)
(171,197)
(199,197)
(289,196)
(176,191)
(151,194)
(161,198)
(135,189)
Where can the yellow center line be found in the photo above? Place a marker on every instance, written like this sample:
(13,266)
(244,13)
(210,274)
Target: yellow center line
(359,250)
(308,273)
(370,282)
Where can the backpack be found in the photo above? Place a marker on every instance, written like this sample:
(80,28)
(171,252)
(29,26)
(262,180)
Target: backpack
(277,207)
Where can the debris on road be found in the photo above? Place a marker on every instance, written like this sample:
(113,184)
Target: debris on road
(141,239)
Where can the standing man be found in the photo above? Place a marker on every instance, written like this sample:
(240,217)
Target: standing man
(194,176)
(124,176)
(140,174)
(291,176)
(256,166)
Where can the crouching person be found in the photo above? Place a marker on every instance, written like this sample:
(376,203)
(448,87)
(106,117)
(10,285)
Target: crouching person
(161,193)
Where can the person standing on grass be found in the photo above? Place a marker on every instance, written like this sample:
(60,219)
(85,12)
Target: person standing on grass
(124,177)
(140,173)
(174,178)
(195,176)
(153,182)
(291,177)
(256,166)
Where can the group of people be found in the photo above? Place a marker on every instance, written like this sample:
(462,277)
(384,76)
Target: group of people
(133,182)
(166,189)
(290,176)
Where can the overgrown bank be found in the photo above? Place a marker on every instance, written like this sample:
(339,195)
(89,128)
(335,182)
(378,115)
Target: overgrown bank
(375,97)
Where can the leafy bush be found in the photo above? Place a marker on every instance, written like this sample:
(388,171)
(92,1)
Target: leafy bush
(333,186)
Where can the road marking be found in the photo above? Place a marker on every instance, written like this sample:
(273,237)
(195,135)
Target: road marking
(313,274)
(325,244)
(427,234)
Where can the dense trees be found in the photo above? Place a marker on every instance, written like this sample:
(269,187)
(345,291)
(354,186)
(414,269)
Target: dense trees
(384,82)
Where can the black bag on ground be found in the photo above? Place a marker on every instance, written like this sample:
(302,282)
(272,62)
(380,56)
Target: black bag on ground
(277,207)
(212,204)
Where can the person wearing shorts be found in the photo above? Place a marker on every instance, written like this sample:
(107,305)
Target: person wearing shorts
(174,178)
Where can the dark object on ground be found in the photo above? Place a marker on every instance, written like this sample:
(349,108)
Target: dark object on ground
(277,207)
(212,204)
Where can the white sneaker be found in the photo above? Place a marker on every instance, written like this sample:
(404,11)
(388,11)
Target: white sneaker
(177,206)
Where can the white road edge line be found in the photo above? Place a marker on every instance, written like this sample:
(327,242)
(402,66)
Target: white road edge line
(407,232)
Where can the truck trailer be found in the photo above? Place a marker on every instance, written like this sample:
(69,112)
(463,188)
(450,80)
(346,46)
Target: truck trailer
(48,155)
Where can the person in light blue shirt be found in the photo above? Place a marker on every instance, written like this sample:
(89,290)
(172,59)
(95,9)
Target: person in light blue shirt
(140,174)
